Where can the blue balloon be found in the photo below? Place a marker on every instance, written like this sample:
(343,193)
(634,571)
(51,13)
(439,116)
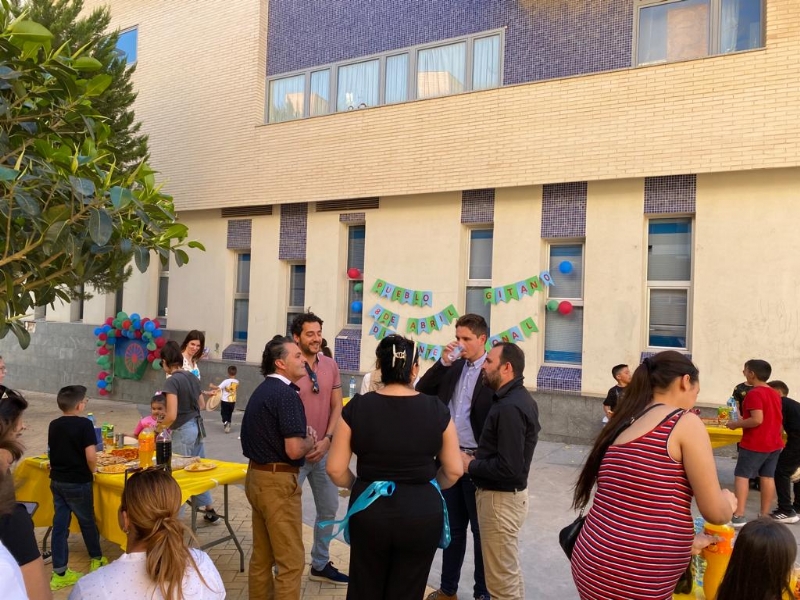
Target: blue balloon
(111,341)
(98,330)
(149,326)
(565,267)
(157,333)
(106,328)
(102,384)
(135,317)
(356,306)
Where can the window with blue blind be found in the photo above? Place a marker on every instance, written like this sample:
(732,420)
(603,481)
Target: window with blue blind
(241,299)
(297,294)
(356,242)
(127,44)
(563,334)
(669,282)
(479,274)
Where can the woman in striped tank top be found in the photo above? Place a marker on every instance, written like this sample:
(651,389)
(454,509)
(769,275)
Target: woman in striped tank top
(637,538)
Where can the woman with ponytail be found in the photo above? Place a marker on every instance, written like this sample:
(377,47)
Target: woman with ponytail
(646,464)
(159,565)
(397,435)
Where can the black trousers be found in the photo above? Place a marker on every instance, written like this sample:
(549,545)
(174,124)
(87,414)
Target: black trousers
(788,462)
(393,542)
(226,411)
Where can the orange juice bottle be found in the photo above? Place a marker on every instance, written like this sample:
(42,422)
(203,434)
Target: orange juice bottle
(717,557)
(147,448)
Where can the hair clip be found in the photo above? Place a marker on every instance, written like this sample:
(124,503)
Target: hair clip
(395,355)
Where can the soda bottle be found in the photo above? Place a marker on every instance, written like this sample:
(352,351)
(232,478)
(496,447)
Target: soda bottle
(352,386)
(90,416)
(164,449)
(147,448)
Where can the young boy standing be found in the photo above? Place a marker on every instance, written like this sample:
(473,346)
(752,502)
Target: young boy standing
(72,462)
(622,375)
(228,400)
(761,439)
(789,460)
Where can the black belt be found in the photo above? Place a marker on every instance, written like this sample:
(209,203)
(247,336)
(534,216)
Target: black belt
(275,467)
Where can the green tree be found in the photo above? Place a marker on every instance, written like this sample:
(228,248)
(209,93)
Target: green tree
(69,214)
(64,20)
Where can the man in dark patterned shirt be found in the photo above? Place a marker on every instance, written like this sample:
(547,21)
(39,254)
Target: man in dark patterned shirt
(275,438)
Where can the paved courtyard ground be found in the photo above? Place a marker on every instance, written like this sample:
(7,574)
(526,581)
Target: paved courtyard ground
(546,570)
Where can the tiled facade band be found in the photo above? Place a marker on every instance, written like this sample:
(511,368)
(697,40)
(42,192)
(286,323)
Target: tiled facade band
(477,206)
(358,217)
(239,234)
(347,349)
(670,194)
(293,231)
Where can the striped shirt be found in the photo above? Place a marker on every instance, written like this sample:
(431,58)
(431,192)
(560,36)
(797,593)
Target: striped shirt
(637,538)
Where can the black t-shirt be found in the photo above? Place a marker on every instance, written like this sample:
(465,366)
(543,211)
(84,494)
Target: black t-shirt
(187,388)
(396,438)
(791,418)
(614,394)
(16,533)
(68,438)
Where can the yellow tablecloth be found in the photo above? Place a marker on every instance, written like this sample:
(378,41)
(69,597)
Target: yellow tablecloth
(722,436)
(32,478)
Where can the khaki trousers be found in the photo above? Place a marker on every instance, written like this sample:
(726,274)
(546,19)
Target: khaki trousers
(277,535)
(500,517)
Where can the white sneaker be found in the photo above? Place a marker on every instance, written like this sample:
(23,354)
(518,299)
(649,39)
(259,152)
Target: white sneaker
(227,427)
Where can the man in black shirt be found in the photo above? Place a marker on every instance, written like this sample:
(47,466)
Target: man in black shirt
(275,438)
(500,469)
(789,460)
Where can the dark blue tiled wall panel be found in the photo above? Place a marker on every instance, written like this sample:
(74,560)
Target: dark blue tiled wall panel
(347,349)
(543,39)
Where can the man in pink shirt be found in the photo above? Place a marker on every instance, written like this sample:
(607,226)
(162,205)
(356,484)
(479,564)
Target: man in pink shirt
(321,393)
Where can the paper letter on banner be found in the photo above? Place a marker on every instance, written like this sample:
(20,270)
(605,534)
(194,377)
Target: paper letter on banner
(387,291)
(397,293)
(412,326)
(417,299)
(511,292)
(423,350)
(385,317)
(394,323)
(427,298)
(432,324)
(451,313)
(376,311)
(522,289)
(377,287)
(423,326)
(488,296)
(529,327)
(441,320)
(516,334)
(499,295)
(492,341)
(544,276)
(534,284)
(435,353)
(384,332)
(375,330)
(505,336)
(407,295)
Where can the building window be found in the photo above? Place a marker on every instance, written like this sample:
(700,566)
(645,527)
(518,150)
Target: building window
(163,291)
(563,333)
(126,44)
(297,294)
(454,66)
(669,282)
(672,30)
(479,274)
(241,299)
(356,238)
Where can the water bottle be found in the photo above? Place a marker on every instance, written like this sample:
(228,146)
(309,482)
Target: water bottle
(164,449)
(352,387)
(90,416)
(734,409)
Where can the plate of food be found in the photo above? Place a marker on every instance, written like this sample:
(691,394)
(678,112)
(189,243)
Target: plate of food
(127,453)
(105,459)
(198,467)
(112,469)
(181,462)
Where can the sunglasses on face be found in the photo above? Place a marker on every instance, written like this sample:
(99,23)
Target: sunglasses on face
(313,376)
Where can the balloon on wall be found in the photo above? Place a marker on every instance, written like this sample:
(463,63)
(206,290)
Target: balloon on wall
(354,273)
(565,307)
(565,267)
(552,305)
(358,287)
(356,306)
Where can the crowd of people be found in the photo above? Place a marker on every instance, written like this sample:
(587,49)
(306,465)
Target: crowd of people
(438,456)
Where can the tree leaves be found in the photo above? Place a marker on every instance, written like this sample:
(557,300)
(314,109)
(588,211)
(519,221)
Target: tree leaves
(101,227)
(98,84)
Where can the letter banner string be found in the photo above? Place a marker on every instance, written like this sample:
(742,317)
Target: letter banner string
(515,334)
(395,293)
(515,291)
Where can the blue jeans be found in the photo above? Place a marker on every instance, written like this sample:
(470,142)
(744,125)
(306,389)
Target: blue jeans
(186,440)
(69,499)
(326,501)
(463,512)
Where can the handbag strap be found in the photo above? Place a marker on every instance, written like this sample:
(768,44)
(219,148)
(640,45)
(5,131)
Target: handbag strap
(446,525)
(374,490)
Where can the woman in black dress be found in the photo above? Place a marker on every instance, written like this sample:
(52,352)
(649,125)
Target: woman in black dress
(397,435)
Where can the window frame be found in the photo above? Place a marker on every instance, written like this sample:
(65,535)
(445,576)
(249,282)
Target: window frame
(714,35)
(163,274)
(660,284)
(576,302)
(352,282)
(478,283)
(293,309)
(240,296)
(411,81)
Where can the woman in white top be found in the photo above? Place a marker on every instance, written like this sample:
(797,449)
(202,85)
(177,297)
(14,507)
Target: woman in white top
(192,350)
(159,564)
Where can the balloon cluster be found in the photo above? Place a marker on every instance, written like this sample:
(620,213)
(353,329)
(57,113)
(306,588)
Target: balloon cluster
(354,273)
(132,327)
(564,307)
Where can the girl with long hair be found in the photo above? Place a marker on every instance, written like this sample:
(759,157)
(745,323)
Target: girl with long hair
(761,564)
(158,563)
(647,463)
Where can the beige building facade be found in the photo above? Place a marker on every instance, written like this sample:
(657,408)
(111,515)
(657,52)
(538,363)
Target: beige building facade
(671,188)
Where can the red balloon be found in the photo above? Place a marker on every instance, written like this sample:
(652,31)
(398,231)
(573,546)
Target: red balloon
(145,320)
(126,324)
(102,350)
(565,307)
(102,337)
(103,392)
(110,321)
(160,342)
(118,333)
(138,334)
(353,273)
(102,375)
